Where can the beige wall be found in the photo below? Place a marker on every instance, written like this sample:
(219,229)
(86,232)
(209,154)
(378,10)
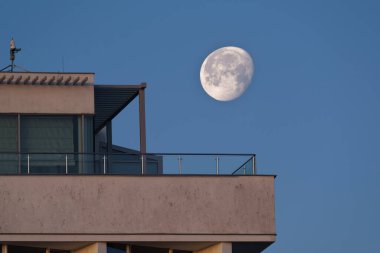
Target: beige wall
(222,247)
(44,99)
(137,208)
(99,247)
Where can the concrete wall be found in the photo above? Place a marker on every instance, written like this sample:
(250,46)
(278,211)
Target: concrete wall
(137,208)
(217,248)
(44,99)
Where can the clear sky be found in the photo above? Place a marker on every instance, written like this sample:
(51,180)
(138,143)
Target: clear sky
(311,114)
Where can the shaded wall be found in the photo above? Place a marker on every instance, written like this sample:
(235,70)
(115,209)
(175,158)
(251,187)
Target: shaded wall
(140,208)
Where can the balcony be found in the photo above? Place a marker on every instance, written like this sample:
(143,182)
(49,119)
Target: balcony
(179,201)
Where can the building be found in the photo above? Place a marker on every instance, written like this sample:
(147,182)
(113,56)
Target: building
(64,187)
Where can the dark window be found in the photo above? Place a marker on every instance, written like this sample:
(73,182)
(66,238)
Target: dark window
(8,144)
(46,144)
(59,251)
(143,249)
(8,133)
(53,134)
(116,248)
(20,249)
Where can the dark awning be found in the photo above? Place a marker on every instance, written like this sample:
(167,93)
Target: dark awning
(112,99)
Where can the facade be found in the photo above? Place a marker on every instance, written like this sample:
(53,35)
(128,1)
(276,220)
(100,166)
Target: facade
(64,187)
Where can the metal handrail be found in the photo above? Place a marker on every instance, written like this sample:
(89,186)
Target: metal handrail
(108,159)
(253,159)
(137,153)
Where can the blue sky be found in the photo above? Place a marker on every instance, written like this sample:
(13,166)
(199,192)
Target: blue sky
(311,113)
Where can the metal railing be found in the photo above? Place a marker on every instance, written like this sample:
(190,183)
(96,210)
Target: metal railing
(128,163)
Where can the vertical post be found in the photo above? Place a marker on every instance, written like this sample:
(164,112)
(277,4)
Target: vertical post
(128,248)
(180,164)
(4,248)
(47,250)
(19,143)
(142,126)
(28,164)
(170,251)
(109,144)
(81,157)
(66,169)
(142,118)
(244,169)
(104,164)
(217,165)
(142,164)
(254,164)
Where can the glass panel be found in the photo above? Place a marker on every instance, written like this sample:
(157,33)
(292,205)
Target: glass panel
(124,164)
(245,169)
(57,135)
(143,249)
(8,144)
(230,164)
(52,134)
(88,145)
(205,164)
(89,163)
(116,248)
(8,133)
(9,163)
(43,163)
(21,249)
(198,164)
(88,135)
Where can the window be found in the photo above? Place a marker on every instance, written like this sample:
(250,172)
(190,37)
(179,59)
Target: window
(50,134)
(8,133)
(116,248)
(21,249)
(8,144)
(46,143)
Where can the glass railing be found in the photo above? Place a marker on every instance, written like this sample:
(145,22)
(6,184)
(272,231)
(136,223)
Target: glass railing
(128,164)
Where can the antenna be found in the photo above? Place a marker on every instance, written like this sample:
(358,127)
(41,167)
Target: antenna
(13,51)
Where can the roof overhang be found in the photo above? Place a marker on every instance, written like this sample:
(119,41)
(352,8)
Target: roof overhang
(110,100)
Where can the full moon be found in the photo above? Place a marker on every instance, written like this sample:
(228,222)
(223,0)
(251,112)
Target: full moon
(226,73)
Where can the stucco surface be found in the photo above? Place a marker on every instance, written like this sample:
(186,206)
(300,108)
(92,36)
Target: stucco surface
(44,99)
(136,205)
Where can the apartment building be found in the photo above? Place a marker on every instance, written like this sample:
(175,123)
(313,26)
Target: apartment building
(65,187)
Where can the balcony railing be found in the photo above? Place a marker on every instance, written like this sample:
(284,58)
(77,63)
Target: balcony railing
(128,164)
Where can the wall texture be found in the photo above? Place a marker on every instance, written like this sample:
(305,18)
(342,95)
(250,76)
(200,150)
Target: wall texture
(139,208)
(44,99)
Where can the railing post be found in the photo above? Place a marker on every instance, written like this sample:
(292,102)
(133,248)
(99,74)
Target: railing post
(244,169)
(19,163)
(217,165)
(28,164)
(254,164)
(66,169)
(142,164)
(104,164)
(180,164)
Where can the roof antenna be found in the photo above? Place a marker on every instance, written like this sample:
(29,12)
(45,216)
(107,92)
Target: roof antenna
(13,51)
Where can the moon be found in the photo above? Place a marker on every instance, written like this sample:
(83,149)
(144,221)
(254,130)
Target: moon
(226,73)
